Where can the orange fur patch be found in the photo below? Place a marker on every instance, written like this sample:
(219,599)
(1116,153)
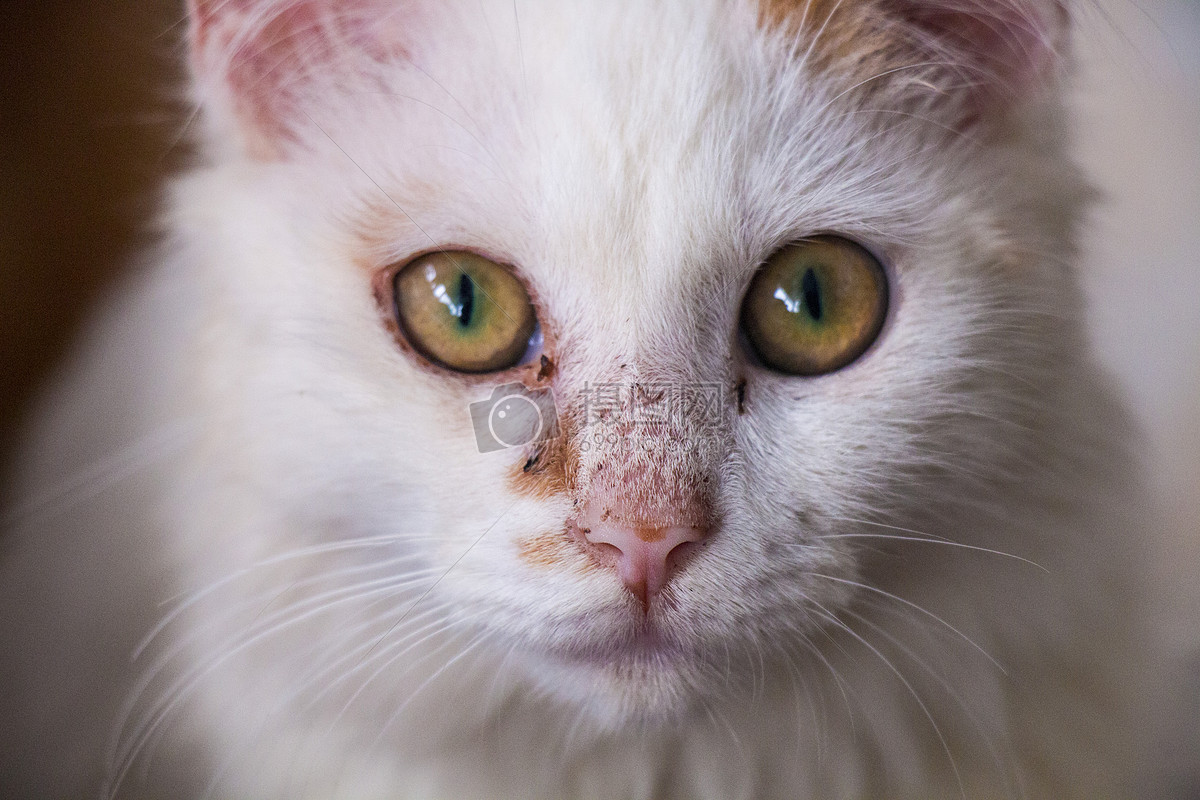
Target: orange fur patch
(547,550)
(546,472)
(807,15)
(549,467)
(845,35)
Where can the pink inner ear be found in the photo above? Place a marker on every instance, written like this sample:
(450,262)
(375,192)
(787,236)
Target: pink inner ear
(262,52)
(1002,48)
(268,53)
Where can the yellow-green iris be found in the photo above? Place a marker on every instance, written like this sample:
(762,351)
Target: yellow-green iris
(815,306)
(464,312)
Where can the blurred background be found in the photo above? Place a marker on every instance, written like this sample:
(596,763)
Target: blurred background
(88,127)
(1138,111)
(1138,114)
(90,122)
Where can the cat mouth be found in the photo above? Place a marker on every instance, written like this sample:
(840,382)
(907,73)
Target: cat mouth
(646,676)
(645,647)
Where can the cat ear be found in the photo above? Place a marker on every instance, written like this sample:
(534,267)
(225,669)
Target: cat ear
(262,65)
(958,61)
(990,53)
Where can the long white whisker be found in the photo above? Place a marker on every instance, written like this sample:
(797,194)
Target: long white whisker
(190,599)
(184,685)
(475,642)
(390,584)
(929,540)
(844,690)
(915,607)
(396,649)
(929,537)
(323,669)
(828,615)
(98,477)
(448,570)
(941,680)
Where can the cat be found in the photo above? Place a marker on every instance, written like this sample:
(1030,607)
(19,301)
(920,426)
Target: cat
(600,400)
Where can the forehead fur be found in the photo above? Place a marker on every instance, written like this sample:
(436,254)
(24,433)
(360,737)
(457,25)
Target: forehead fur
(636,185)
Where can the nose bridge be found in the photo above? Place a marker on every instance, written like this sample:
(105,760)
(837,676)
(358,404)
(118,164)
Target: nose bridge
(647,446)
(645,479)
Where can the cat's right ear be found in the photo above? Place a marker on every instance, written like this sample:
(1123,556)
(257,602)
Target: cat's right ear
(264,66)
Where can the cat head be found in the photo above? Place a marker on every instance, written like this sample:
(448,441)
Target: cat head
(627,320)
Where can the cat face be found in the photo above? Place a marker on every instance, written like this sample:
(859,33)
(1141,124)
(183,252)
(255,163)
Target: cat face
(692,511)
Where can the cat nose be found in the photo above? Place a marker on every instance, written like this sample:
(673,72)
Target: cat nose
(645,556)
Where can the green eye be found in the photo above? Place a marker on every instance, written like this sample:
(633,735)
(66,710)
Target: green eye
(815,306)
(464,312)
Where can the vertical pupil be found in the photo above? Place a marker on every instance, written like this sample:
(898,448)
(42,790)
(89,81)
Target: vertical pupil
(811,289)
(466,299)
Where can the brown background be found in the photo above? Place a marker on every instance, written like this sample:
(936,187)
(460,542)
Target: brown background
(88,117)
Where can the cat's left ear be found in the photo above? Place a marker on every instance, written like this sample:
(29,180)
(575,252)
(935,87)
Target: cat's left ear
(263,65)
(958,61)
(990,53)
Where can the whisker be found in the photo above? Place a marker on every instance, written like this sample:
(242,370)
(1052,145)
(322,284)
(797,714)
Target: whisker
(800,689)
(320,672)
(448,570)
(282,705)
(393,651)
(945,684)
(828,615)
(184,685)
(342,594)
(838,681)
(190,599)
(101,475)
(928,538)
(915,607)
(476,641)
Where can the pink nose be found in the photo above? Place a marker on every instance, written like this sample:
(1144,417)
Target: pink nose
(645,557)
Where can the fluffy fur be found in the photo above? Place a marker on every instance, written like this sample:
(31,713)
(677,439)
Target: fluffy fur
(255,553)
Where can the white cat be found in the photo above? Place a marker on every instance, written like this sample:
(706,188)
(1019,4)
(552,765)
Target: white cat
(591,400)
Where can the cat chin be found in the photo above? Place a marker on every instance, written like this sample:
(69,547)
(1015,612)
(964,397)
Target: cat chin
(613,688)
(613,696)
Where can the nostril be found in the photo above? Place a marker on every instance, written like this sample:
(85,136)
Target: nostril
(680,554)
(644,557)
(605,552)
(610,552)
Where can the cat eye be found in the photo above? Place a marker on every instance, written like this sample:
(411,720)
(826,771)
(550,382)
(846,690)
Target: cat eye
(815,306)
(464,312)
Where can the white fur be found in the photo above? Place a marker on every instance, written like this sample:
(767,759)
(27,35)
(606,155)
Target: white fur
(330,571)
